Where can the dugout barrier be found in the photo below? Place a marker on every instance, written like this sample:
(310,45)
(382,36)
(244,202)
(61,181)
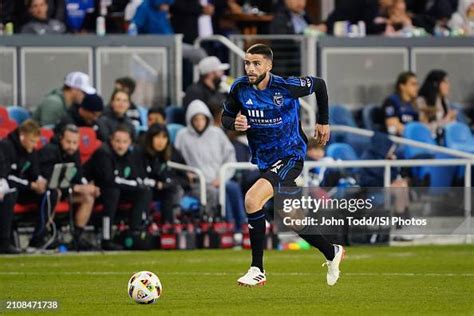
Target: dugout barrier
(31,66)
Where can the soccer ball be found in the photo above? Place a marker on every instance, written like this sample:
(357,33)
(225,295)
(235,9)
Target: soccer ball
(144,287)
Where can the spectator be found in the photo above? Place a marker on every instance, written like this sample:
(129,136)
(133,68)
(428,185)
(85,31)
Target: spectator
(353,11)
(167,184)
(211,71)
(207,147)
(400,18)
(432,103)
(434,12)
(85,115)
(117,171)
(83,194)
(39,22)
(13,12)
(192,18)
(152,17)
(463,18)
(156,115)
(116,113)
(56,104)
(399,107)
(21,169)
(291,18)
(128,85)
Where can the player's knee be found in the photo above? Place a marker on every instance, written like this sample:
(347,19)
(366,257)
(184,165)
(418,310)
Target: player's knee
(252,203)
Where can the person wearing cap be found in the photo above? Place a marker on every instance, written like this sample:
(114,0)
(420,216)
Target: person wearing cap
(211,71)
(57,102)
(85,114)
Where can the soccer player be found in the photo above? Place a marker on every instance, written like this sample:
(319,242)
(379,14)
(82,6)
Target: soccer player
(266,107)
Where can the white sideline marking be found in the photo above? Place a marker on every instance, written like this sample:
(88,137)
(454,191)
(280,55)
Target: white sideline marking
(230,273)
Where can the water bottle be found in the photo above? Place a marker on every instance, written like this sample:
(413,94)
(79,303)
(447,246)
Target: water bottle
(132,29)
(100,26)
(9,28)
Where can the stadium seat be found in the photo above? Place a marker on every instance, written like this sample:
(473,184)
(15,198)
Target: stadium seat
(88,143)
(5,121)
(458,136)
(18,114)
(341,151)
(439,176)
(173,130)
(175,115)
(45,138)
(340,115)
(418,132)
(4,133)
(372,117)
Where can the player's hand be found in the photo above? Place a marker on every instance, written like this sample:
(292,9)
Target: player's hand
(240,123)
(321,133)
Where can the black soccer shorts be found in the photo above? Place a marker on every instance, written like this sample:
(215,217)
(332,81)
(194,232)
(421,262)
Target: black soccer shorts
(283,172)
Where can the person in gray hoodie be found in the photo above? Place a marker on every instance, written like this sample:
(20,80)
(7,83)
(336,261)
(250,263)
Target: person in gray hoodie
(206,147)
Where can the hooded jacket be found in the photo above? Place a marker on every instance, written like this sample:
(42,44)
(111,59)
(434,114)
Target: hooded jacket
(208,150)
(19,166)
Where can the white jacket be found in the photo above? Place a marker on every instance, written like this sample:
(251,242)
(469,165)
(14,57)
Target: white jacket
(208,151)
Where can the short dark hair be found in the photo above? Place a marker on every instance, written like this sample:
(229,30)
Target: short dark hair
(261,49)
(403,79)
(128,82)
(157,110)
(123,128)
(29,3)
(154,130)
(69,128)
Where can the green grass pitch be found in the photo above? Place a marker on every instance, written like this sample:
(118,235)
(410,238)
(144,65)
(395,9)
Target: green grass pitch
(434,280)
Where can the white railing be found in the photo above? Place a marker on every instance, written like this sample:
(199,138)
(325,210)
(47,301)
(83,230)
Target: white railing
(198,172)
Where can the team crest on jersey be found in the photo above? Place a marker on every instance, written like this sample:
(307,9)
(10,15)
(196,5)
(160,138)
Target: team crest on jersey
(305,82)
(278,99)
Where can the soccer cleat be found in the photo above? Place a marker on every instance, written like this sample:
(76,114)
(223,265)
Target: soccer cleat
(253,277)
(333,266)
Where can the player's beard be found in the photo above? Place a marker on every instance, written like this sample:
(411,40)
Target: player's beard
(259,79)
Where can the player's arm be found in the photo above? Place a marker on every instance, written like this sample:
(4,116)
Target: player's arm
(300,87)
(231,117)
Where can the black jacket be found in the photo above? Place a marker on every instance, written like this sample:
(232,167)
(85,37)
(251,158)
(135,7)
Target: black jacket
(109,122)
(199,91)
(107,169)
(282,24)
(158,170)
(18,166)
(72,117)
(184,18)
(52,154)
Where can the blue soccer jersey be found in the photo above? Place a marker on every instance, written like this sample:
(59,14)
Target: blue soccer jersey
(273,115)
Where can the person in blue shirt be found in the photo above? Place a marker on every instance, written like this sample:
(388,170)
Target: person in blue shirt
(398,108)
(266,107)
